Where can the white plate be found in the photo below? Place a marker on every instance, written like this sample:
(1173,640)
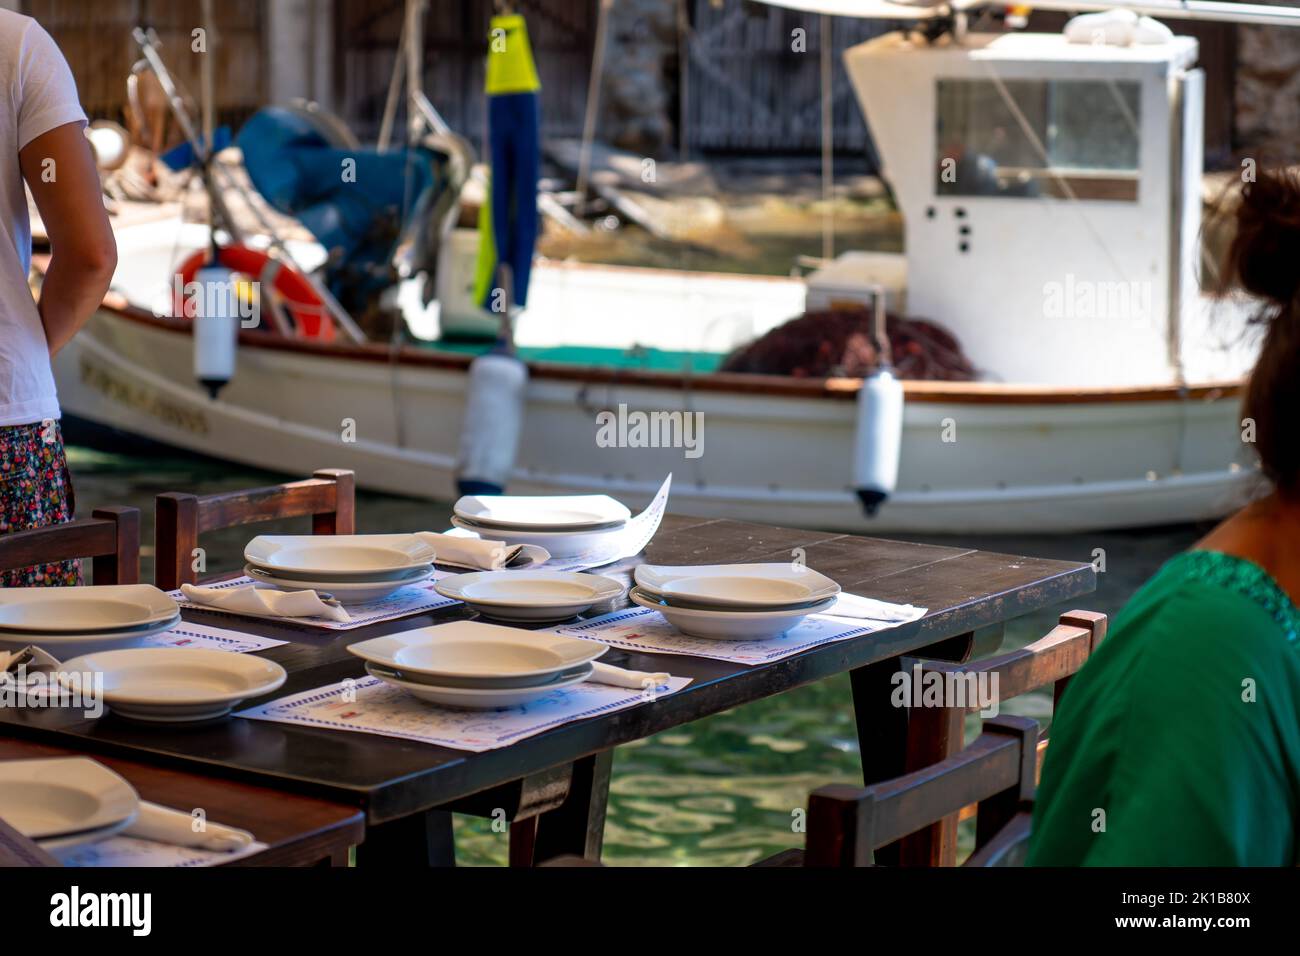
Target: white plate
(84,837)
(417,573)
(772,586)
(73,645)
(487,698)
(561,544)
(475,649)
(59,796)
(728,625)
(328,554)
(480,683)
(530,595)
(175,683)
(83,610)
(348,592)
(543,512)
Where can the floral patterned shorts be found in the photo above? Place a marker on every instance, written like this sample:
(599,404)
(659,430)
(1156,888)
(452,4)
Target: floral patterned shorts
(35,492)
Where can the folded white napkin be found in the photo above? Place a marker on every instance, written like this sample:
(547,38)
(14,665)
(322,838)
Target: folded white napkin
(165,825)
(31,659)
(622,677)
(869,609)
(477,553)
(264,602)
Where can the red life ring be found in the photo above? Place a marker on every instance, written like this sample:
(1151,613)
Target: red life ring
(298,296)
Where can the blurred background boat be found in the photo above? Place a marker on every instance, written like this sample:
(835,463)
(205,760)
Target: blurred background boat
(1062,261)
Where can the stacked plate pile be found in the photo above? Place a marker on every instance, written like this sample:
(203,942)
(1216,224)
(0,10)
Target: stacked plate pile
(532,596)
(70,621)
(354,568)
(565,525)
(474,665)
(734,602)
(63,802)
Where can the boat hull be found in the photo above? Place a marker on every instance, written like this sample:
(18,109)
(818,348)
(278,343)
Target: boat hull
(974,459)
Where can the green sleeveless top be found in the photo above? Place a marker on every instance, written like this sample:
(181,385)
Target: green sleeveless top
(1178,743)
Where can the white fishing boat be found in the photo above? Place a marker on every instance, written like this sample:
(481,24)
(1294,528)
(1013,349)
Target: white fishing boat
(1062,257)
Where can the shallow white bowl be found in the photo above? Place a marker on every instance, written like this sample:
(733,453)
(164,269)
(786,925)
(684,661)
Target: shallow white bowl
(348,592)
(64,646)
(83,610)
(328,555)
(176,684)
(560,544)
(768,586)
(530,595)
(476,649)
(52,797)
(474,698)
(543,512)
(728,625)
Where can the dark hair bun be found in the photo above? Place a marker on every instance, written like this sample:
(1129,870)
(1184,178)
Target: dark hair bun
(1265,254)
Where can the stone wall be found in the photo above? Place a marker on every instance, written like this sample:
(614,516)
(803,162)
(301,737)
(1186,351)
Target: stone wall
(1267,100)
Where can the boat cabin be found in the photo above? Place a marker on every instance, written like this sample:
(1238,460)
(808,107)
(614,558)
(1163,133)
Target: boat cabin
(1051,197)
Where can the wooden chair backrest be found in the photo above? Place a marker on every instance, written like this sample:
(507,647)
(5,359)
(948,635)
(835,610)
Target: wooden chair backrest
(936,733)
(847,824)
(329,497)
(111,536)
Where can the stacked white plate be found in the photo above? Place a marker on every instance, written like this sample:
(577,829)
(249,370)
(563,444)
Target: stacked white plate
(61,802)
(746,602)
(565,525)
(70,621)
(530,595)
(474,665)
(354,568)
(173,684)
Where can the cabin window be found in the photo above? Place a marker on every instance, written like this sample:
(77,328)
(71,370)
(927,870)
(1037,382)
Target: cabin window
(1035,138)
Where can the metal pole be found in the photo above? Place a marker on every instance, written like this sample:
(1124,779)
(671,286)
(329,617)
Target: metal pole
(394,86)
(593,98)
(828,142)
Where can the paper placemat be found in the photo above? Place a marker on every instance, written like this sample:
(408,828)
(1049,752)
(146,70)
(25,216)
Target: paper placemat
(132,851)
(646,630)
(368,705)
(415,599)
(188,634)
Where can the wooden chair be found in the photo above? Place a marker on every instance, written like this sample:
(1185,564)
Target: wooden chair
(937,733)
(329,496)
(111,536)
(298,830)
(846,825)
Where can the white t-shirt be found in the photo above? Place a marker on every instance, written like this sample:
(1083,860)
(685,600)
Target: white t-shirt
(42,96)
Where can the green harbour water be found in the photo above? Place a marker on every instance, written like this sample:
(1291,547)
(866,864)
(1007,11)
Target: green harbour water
(722,791)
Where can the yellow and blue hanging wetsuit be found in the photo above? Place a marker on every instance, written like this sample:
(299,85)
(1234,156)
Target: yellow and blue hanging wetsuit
(508,219)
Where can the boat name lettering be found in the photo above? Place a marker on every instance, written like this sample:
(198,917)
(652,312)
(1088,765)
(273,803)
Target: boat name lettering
(136,396)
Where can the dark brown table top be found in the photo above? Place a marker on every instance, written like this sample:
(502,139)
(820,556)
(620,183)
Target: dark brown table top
(964,589)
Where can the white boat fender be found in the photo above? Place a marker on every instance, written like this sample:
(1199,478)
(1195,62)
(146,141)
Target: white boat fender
(216,327)
(877,438)
(494,417)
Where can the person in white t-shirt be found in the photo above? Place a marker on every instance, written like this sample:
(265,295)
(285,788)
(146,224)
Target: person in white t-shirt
(43,144)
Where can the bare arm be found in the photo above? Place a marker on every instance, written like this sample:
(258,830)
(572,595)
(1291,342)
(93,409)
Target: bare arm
(60,170)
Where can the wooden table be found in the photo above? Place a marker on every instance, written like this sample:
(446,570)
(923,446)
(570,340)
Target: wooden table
(562,775)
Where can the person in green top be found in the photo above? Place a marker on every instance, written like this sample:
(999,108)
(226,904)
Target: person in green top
(1178,743)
